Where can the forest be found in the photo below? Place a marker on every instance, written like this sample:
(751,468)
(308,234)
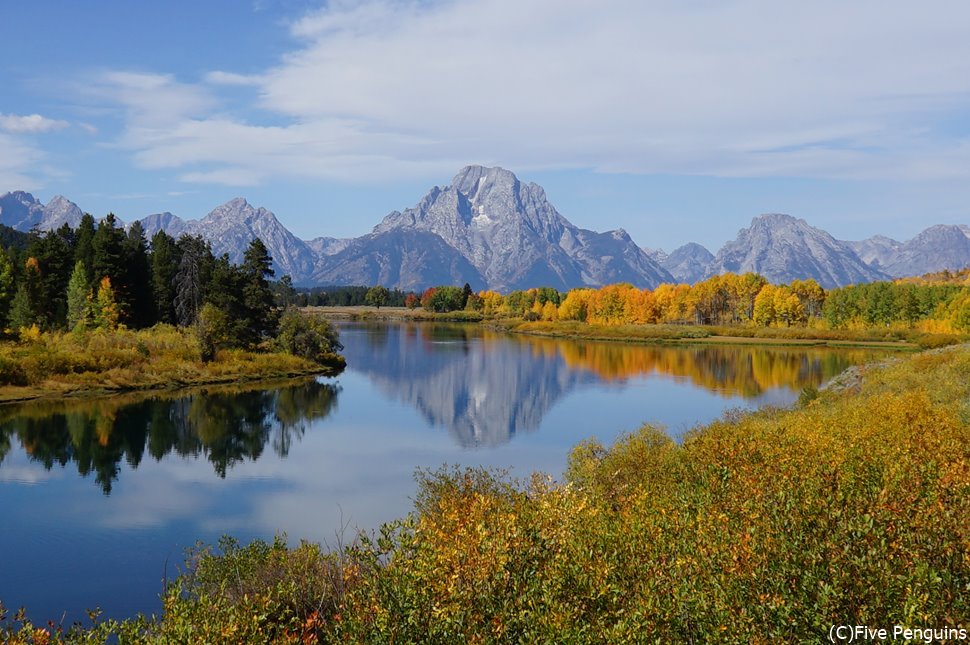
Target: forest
(101,276)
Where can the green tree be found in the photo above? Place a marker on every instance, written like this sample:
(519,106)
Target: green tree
(84,246)
(138,279)
(21,309)
(52,252)
(213,330)
(311,337)
(226,294)
(257,296)
(194,272)
(7,287)
(165,258)
(110,260)
(377,296)
(283,292)
(77,295)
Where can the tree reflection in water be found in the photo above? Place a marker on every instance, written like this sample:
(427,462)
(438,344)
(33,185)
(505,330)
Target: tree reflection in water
(226,425)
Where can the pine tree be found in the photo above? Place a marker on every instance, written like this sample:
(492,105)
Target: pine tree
(108,250)
(21,310)
(52,251)
(84,247)
(257,296)
(195,269)
(77,295)
(165,258)
(138,279)
(7,288)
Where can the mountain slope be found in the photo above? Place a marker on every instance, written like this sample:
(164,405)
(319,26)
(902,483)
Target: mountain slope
(515,239)
(405,259)
(20,210)
(783,248)
(230,228)
(689,263)
(935,249)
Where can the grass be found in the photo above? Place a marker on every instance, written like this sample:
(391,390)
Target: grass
(762,527)
(98,362)
(706,334)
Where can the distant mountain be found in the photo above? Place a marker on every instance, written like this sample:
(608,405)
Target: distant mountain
(783,248)
(512,236)
(171,224)
(490,230)
(328,245)
(20,210)
(230,228)
(935,249)
(876,251)
(23,211)
(405,259)
(58,212)
(689,263)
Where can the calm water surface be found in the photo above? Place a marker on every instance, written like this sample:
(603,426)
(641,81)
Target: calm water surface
(100,499)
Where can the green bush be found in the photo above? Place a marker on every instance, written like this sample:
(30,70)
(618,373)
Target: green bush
(307,336)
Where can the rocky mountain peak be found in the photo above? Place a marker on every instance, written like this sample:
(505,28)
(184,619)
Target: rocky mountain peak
(781,248)
(508,232)
(59,211)
(474,180)
(20,210)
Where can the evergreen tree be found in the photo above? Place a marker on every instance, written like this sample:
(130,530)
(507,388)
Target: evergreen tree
(77,295)
(7,286)
(108,248)
(84,246)
(138,279)
(21,309)
(226,288)
(164,266)
(257,296)
(52,251)
(195,270)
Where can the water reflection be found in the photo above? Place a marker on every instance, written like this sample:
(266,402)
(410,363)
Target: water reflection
(486,387)
(224,425)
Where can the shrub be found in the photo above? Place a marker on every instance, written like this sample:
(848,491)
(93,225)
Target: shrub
(12,372)
(307,336)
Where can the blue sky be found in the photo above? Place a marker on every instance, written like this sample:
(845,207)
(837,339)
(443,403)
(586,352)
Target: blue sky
(676,120)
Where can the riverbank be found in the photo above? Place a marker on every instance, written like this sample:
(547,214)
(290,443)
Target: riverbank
(99,363)
(760,527)
(881,338)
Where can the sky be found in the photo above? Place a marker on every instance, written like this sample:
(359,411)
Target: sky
(677,120)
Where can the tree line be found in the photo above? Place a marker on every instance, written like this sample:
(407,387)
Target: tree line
(935,303)
(101,276)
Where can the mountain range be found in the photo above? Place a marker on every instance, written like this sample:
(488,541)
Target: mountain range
(491,230)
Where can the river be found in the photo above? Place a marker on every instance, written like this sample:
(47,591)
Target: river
(100,498)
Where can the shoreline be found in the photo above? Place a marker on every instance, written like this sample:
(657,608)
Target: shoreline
(54,390)
(637,334)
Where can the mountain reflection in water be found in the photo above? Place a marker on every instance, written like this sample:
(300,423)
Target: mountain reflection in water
(226,425)
(485,387)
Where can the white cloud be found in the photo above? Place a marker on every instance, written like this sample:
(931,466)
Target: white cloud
(17,158)
(737,88)
(30,124)
(229,78)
